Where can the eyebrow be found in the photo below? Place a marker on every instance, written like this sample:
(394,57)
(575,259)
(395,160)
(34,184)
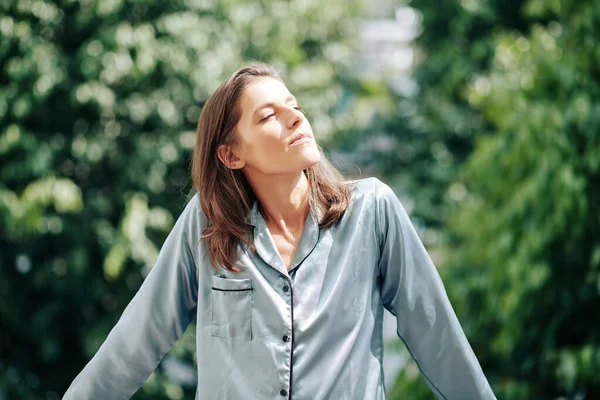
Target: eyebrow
(270,103)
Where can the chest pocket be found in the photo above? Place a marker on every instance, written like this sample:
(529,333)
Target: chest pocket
(231,308)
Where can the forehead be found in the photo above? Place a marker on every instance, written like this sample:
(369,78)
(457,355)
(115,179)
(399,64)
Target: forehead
(262,90)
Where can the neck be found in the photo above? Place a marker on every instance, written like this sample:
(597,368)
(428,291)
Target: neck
(283,200)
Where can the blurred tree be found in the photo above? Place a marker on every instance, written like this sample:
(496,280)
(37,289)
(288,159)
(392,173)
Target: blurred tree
(529,268)
(98,106)
(509,97)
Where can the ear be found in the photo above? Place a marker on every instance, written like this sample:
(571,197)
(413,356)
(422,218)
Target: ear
(229,158)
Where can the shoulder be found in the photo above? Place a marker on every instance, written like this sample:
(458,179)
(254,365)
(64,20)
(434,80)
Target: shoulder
(192,216)
(192,207)
(371,187)
(378,197)
(387,208)
(193,201)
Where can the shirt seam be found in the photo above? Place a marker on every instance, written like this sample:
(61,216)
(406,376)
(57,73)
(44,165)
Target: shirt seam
(378,228)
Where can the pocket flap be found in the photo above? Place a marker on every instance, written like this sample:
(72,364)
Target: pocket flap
(231,283)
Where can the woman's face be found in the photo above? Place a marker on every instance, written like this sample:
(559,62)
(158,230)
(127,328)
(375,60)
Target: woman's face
(270,121)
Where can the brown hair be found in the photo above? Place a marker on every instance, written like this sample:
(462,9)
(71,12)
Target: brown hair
(225,195)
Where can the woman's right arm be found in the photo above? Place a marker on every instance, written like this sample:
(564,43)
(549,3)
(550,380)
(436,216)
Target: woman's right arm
(152,322)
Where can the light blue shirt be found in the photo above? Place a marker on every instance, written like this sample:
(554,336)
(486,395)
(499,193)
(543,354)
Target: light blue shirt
(313,333)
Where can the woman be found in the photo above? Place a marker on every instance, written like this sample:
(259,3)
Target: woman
(286,270)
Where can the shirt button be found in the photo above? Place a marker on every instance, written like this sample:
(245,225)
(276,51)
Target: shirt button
(283,392)
(285,338)
(286,288)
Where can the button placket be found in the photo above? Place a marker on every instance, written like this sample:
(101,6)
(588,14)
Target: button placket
(289,338)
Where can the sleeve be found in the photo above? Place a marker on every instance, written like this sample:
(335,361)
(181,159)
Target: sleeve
(412,290)
(152,322)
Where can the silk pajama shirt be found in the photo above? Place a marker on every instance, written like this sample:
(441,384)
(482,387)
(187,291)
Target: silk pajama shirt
(313,333)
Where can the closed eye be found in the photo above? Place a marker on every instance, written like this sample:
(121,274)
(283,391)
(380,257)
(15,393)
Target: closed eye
(270,115)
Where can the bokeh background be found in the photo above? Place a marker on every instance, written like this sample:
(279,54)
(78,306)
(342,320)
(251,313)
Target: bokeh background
(483,115)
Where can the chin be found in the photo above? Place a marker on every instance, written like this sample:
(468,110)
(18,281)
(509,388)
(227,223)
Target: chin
(312,160)
(308,166)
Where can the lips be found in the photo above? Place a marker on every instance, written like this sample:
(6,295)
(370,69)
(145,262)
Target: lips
(299,136)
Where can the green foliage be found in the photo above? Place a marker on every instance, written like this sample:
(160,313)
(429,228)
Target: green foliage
(410,382)
(521,241)
(433,131)
(537,230)
(98,106)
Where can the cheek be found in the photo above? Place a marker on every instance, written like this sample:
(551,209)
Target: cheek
(266,145)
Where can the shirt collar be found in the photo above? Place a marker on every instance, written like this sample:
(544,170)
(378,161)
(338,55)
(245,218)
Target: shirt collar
(251,219)
(265,245)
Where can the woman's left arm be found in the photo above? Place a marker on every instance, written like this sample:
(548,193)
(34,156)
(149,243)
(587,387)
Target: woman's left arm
(412,290)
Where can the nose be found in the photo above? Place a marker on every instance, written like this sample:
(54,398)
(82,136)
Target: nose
(296,119)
